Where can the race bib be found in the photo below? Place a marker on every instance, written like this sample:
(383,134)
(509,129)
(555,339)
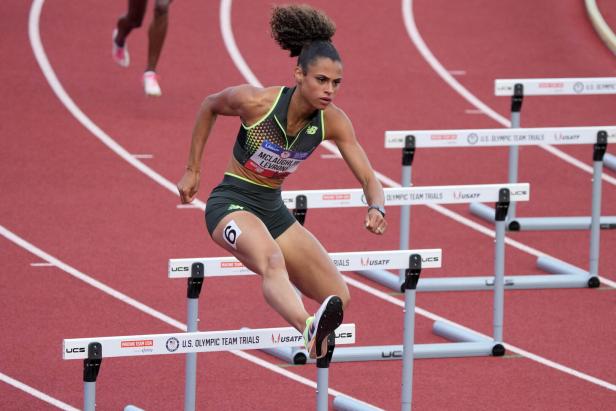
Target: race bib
(271,160)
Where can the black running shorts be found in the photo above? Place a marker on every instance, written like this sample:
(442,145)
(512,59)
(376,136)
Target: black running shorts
(234,194)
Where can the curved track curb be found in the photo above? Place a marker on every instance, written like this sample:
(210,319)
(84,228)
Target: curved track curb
(601,27)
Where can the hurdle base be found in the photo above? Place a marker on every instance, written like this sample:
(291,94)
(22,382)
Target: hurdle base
(291,355)
(543,223)
(514,282)
(609,161)
(383,277)
(482,211)
(463,336)
(482,283)
(343,403)
(564,269)
(559,223)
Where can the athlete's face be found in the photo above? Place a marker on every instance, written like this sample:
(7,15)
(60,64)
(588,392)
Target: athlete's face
(321,81)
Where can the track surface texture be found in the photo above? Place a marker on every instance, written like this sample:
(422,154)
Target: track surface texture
(77,217)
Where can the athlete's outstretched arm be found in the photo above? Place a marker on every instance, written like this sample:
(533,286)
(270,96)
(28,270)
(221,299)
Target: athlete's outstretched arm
(340,130)
(238,101)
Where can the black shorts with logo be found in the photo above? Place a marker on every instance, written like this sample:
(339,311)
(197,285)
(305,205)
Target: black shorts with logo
(234,194)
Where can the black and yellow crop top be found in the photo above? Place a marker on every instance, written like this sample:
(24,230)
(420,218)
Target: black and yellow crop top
(267,150)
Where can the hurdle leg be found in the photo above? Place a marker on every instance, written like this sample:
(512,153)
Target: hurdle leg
(499,264)
(560,267)
(323,374)
(514,151)
(410,285)
(195,281)
(482,211)
(598,153)
(408,152)
(91,366)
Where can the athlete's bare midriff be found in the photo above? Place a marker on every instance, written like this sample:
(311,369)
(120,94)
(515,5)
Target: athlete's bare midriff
(234,167)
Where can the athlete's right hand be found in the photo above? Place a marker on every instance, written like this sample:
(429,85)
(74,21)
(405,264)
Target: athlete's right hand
(188,186)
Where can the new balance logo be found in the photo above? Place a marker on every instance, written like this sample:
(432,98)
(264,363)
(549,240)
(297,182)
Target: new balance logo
(311,130)
(235,207)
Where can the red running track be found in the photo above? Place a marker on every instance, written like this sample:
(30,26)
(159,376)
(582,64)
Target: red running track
(70,196)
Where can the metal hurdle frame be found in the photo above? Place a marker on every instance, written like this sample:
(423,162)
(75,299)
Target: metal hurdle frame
(518,88)
(599,136)
(195,269)
(467,344)
(93,350)
(411,260)
(411,279)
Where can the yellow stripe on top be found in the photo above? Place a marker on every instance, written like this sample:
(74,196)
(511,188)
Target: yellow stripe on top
(267,114)
(322,126)
(247,180)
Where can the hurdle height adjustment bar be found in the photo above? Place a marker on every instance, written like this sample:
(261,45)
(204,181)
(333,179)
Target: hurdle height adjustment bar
(408,155)
(514,151)
(91,367)
(193,290)
(301,208)
(323,373)
(410,285)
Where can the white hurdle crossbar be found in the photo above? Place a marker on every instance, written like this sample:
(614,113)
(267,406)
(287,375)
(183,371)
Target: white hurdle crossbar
(599,136)
(517,89)
(351,261)
(93,350)
(196,269)
(406,196)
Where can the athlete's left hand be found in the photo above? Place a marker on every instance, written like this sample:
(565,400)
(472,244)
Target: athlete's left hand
(375,222)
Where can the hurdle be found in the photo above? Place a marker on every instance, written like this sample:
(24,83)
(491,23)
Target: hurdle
(93,350)
(351,261)
(518,88)
(599,136)
(194,269)
(466,344)
(300,201)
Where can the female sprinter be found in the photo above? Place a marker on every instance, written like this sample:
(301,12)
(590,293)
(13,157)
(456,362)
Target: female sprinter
(280,128)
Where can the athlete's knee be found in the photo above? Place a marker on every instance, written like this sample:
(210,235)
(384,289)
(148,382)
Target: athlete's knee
(161,8)
(133,22)
(274,264)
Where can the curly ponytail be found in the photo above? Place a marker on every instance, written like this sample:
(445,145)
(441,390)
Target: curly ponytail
(304,32)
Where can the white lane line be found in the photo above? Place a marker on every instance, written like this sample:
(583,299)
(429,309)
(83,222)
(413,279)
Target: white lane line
(41,265)
(373,291)
(243,67)
(36,393)
(89,280)
(473,111)
(52,79)
(83,119)
(9,235)
(144,156)
(457,72)
(411,28)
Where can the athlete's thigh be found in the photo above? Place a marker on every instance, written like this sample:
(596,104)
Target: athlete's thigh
(246,237)
(309,266)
